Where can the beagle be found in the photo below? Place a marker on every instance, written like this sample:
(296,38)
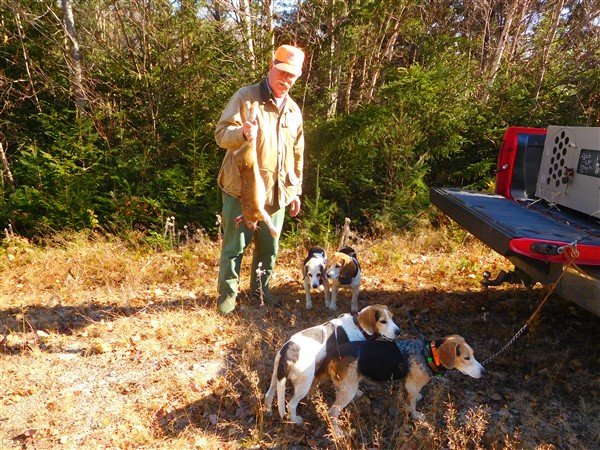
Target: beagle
(344,270)
(416,361)
(299,358)
(313,270)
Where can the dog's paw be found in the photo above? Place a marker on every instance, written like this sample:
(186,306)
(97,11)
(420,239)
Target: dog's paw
(416,415)
(297,420)
(338,433)
(358,394)
(332,307)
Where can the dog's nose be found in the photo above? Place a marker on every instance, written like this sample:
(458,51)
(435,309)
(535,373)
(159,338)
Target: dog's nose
(315,285)
(398,331)
(483,371)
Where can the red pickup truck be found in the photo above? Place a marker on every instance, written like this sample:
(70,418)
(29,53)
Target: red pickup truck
(545,215)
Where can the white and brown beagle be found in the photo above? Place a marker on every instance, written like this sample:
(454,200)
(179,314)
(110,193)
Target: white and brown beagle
(314,272)
(300,358)
(416,361)
(344,270)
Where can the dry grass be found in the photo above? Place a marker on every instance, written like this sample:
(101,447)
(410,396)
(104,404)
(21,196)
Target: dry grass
(107,344)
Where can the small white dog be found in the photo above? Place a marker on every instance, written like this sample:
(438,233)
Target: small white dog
(314,269)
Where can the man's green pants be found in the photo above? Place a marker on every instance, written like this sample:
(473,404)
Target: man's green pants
(235,240)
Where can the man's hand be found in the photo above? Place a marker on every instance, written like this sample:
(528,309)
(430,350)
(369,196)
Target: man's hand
(295,206)
(250,129)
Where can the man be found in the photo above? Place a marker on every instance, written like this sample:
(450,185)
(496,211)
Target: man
(280,151)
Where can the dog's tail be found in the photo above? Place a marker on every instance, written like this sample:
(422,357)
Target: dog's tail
(280,373)
(281,397)
(271,392)
(278,381)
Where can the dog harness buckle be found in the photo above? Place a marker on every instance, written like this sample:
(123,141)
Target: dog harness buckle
(433,359)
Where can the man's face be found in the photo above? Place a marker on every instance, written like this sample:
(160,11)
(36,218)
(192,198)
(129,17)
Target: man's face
(280,82)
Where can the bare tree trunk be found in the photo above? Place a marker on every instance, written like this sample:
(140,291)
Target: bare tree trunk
(380,54)
(246,23)
(75,63)
(332,90)
(349,82)
(501,47)
(485,37)
(518,33)
(9,177)
(26,59)
(363,80)
(555,18)
(308,72)
(332,79)
(270,26)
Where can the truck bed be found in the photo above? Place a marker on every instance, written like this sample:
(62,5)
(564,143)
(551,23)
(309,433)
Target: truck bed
(529,233)
(497,221)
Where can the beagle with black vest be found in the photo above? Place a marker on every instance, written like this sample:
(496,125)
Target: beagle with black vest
(314,272)
(415,361)
(344,270)
(302,355)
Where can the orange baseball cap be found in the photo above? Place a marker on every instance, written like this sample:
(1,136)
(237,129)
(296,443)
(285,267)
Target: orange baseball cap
(289,59)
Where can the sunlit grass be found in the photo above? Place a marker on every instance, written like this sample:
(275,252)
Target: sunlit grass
(105,342)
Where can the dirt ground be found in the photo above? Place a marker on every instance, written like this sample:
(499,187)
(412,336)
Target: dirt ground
(133,362)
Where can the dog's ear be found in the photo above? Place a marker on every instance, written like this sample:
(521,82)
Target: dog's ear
(304,271)
(348,268)
(307,244)
(323,272)
(245,111)
(448,351)
(367,318)
(381,312)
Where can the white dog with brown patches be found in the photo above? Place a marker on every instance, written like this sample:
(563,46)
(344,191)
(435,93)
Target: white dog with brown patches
(300,358)
(314,272)
(416,361)
(344,270)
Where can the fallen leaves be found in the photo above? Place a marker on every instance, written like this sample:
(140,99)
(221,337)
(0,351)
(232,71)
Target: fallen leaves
(167,368)
(27,435)
(99,346)
(17,342)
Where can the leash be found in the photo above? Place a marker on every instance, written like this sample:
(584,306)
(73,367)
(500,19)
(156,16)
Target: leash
(413,326)
(571,253)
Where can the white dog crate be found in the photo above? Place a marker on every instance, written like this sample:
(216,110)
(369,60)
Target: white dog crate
(570,170)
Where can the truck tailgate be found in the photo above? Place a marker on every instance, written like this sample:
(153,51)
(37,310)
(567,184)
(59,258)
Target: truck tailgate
(510,227)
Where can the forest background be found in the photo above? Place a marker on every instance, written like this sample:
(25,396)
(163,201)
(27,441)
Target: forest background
(108,107)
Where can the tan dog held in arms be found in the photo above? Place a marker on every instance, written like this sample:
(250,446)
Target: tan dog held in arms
(254,194)
(300,358)
(415,361)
